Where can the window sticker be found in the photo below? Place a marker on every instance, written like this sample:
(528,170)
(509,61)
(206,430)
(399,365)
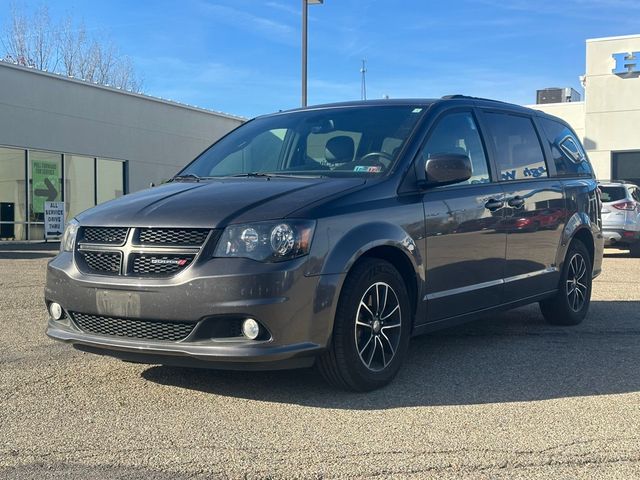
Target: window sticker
(368,169)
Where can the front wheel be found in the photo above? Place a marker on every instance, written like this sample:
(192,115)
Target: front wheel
(371,328)
(571,303)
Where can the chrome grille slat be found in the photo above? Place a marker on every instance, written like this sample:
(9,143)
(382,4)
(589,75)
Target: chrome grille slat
(132,328)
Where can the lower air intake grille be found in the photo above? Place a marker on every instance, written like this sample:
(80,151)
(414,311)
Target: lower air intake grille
(106,263)
(125,327)
(159,265)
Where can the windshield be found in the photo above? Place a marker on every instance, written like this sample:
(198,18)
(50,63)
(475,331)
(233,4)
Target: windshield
(353,141)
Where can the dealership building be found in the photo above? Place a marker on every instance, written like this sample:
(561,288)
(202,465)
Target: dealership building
(71,141)
(608,120)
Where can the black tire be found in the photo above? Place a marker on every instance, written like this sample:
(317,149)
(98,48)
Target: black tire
(634,251)
(343,364)
(571,303)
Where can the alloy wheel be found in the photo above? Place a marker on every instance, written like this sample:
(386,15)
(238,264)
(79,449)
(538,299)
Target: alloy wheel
(576,282)
(378,326)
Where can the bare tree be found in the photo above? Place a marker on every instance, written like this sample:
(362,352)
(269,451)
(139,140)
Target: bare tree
(65,48)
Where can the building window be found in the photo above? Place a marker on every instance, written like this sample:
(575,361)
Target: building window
(79,187)
(13,196)
(626,166)
(45,182)
(109,179)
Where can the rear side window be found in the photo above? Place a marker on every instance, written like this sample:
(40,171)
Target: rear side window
(568,154)
(612,194)
(519,154)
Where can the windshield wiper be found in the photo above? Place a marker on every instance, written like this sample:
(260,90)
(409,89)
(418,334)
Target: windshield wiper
(254,174)
(187,176)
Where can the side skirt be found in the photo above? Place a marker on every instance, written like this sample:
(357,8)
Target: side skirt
(468,317)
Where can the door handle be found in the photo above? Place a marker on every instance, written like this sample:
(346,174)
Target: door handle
(493,204)
(516,202)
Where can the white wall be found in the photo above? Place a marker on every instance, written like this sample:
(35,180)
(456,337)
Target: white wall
(49,112)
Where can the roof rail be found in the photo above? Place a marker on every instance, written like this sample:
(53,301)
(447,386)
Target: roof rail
(469,97)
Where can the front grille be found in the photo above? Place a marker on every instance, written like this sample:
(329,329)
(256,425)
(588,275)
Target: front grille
(141,251)
(105,263)
(159,265)
(104,235)
(132,328)
(194,237)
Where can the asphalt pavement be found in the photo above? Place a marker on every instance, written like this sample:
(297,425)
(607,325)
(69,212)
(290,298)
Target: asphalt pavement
(505,397)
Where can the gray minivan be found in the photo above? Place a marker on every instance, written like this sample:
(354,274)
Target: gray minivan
(330,235)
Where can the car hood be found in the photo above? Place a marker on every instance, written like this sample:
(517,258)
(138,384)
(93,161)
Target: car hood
(214,203)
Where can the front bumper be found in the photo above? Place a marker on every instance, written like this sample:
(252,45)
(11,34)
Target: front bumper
(296,311)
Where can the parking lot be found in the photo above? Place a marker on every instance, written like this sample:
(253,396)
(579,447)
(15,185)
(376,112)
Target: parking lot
(505,397)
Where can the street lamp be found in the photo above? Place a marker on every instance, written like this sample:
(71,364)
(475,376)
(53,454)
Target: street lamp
(305,5)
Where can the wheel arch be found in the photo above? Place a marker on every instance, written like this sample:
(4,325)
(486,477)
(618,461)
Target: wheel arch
(380,240)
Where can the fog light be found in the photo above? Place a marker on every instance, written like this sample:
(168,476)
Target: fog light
(55,310)
(250,328)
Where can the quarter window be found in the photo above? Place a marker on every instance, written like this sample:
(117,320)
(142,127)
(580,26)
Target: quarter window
(568,154)
(518,152)
(458,133)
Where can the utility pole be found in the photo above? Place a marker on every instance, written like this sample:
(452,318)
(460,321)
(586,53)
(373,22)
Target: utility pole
(305,8)
(363,86)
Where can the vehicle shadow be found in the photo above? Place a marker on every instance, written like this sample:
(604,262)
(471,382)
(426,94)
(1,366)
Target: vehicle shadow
(509,357)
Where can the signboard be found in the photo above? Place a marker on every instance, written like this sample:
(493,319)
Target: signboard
(45,184)
(626,63)
(53,219)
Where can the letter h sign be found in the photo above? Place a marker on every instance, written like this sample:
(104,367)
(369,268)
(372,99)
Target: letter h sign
(626,63)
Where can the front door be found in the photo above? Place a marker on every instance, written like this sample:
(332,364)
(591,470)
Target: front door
(465,250)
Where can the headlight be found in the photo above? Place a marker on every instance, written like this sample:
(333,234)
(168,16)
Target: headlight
(69,238)
(267,241)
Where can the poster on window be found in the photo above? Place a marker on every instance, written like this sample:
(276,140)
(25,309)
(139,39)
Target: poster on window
(45,183)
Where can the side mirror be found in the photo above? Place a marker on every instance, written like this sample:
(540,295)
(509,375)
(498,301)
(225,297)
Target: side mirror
(447,168)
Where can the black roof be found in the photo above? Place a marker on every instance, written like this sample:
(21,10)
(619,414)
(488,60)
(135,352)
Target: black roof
(427,102)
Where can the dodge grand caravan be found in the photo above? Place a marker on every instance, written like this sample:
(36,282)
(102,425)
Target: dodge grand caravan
(333,234)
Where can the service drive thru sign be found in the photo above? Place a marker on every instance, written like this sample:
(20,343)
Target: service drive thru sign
(53,219)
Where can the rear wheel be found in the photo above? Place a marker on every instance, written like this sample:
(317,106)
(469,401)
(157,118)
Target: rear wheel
(635,249)
(371,329)
(571,303)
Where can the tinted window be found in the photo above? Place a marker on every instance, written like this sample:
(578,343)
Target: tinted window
(611,194)
(518,150)
(568,154)
(635,193)
(458,133)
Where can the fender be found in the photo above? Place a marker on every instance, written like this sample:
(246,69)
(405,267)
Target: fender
(359,240)
(578,221)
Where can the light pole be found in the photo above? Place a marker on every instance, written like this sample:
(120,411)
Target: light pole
(305,7)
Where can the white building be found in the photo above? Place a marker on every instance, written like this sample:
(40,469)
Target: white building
(608,120)
(68,140)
